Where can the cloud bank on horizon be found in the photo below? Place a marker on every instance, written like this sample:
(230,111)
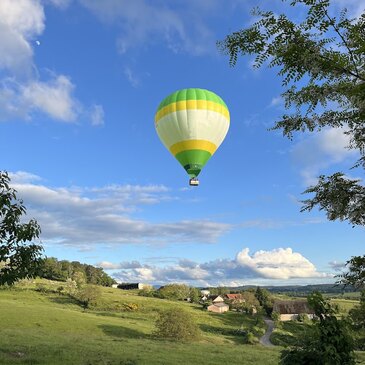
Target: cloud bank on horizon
(261,267)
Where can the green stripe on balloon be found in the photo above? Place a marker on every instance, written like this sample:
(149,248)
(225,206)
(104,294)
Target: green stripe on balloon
(193,160)
(191,94)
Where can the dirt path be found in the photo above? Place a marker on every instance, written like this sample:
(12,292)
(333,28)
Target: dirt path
(265,339)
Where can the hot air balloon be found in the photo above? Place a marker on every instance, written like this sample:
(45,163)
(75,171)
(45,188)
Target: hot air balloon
(192,123)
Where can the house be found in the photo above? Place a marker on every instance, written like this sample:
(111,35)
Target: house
(219,307)
(130,286)
(235,298)
(290,309)
(216,299)
(115,286)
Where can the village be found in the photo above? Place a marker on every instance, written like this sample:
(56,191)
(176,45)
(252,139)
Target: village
(249,301)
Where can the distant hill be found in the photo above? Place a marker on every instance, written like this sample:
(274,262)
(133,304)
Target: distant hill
(304,289)
(297,290)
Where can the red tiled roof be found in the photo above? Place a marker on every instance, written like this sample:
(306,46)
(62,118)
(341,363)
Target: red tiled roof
(234,296)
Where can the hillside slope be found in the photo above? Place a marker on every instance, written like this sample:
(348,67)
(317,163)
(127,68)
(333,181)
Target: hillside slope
(47,328)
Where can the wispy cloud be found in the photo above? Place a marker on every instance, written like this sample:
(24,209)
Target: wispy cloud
(181,28)
(82,216)
(97,115)
(277,264)
(337,265)
(131,77)
(315,153)
(279,223)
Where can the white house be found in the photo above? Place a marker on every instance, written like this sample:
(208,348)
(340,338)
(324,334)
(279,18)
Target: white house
(219,307)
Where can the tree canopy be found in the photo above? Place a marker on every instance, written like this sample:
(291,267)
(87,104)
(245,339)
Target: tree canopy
(321,62)
(53,269)
(19,256)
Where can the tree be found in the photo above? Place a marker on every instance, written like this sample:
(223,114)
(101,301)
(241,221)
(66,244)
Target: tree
(88,295)
(355,276)
(357,317)
(79,278)
(194,295)
(177,324)
(327,342)
(174,292)
(20,257)
(265,299)
(326,54)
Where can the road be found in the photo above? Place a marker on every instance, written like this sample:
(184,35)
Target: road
(265,339)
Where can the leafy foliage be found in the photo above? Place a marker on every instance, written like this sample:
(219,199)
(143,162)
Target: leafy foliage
(355,276)
(88,295)
(177,324)
(174,292)
(326,54)
(62,270)
(357,317)
(265,299)
(328,342)
(19,257)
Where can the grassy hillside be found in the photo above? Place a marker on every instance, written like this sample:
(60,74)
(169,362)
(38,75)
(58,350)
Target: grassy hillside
(48,328)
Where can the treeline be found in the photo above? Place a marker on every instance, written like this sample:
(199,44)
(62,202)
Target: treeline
(53,269)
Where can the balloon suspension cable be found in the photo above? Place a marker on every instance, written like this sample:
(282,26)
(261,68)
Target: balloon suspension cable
(194,181)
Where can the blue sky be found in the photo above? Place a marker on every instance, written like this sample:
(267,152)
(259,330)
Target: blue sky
(80,82)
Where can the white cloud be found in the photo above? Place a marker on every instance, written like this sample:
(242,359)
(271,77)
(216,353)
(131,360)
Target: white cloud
(22,177)
(53,98)
(278,264)
(316,153)
(20,21)
(22,92)
(104,215)
(141,23)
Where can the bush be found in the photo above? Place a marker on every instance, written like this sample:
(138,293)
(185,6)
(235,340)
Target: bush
(127,307)
(88,295)
(303,317)
(176,324)
(249,338)
(43,288)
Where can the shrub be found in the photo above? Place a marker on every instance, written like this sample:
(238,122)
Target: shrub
(249,338)
(125,307)
(303,317)
(176,324)
(88,295)
(42,288)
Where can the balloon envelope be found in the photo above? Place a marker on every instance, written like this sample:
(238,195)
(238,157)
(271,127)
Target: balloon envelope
(192,123)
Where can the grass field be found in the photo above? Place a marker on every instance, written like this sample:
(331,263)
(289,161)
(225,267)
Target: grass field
(48,328)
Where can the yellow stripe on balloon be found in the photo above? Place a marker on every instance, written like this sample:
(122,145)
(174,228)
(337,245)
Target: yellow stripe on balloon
(191,104)
(193,144)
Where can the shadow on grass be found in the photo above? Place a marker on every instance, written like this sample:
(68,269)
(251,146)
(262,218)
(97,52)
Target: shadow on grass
(123,332)
(233,334)
(64,299)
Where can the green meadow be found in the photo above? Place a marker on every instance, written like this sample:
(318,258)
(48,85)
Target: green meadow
(48,328)
(43,327)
